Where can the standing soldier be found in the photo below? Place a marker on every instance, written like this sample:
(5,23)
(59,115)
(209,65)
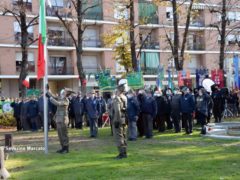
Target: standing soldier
(61,119)
(119,121)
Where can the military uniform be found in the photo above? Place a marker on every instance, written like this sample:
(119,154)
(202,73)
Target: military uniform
(62,121)
(119,124)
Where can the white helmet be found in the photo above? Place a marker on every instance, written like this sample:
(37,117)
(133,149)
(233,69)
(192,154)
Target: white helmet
(123,83)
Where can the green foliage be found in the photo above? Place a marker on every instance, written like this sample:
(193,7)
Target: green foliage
(7,119)
(119,40)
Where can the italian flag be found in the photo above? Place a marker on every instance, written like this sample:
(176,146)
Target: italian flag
(26,82)
(41,40)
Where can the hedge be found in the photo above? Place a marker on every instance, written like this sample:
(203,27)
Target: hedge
(7,119)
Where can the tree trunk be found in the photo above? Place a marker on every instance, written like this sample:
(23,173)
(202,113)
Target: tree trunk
(132,37)
(79,48)
(176,36)
(24,46)
(223,34)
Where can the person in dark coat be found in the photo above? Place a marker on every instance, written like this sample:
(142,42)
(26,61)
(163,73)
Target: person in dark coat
(16,105)
(133,110)
(202,104)
(187,106)
(149,112)
(71,113)
(176,110)
(101,107)
(162,110)
(168,95)
(218,105)
(32,113)
(91,109)
(24,118)
(78,108)
(140,123)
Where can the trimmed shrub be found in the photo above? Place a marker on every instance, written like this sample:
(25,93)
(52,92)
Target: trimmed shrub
(7,119)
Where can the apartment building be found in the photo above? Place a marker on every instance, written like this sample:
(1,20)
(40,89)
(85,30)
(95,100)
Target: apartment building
(202,49)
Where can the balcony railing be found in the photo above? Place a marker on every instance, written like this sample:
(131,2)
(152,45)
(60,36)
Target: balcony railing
(18,37)
(90,69)
(62,11)
(18,4)
(61,70)
(60,42)
(151,45)
(93,15)
(197,23)
(92,43)
(150,71)
(196,46)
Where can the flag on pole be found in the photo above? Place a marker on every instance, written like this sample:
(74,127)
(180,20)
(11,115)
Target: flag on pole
(26,82)
(236,74)
(41,40)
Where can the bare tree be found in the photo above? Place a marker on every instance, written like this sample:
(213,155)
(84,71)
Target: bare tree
(175,43)
(224,26)
(19,10)
(78,9)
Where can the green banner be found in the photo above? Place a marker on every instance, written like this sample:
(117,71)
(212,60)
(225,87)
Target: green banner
(33,92)
(106,83)
(135,80)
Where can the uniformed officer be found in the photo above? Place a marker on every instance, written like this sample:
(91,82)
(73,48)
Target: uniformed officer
(119,121)
(62,104)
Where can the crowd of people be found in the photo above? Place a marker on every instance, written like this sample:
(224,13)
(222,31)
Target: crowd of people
(143,110)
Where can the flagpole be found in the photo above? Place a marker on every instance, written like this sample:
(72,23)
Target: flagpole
(45,100)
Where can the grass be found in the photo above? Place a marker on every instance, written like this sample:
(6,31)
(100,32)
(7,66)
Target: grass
(166,156)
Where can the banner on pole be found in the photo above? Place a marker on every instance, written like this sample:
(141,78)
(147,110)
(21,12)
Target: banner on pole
(218,77)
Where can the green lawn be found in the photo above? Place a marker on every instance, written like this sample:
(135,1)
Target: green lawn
(166,156)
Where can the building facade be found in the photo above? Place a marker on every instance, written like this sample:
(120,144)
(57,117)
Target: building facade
(202,47)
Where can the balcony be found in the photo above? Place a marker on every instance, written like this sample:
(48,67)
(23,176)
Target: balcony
(92,15)
(17,4)
(90,69)
(18,37)
(151,45)
(62,11)
(197,23)
(149,71)
(92,43)
(60,41)
(195,47)
(61,70)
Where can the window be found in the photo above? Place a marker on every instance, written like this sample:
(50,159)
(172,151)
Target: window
(57,36)
(91,38)
(148,12)
(120,12)
(58,3)
(149,62)
(28,4)
(31,63)
(169,13)
(17,31)
(90,64)
(95,12)
(231,39)
(192,63)
(231,16)
(57,66)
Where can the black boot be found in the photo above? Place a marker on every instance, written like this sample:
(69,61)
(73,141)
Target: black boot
(60,150)
(65,150)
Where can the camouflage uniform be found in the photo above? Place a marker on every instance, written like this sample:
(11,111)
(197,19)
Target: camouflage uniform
(62,121)
(119,124)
